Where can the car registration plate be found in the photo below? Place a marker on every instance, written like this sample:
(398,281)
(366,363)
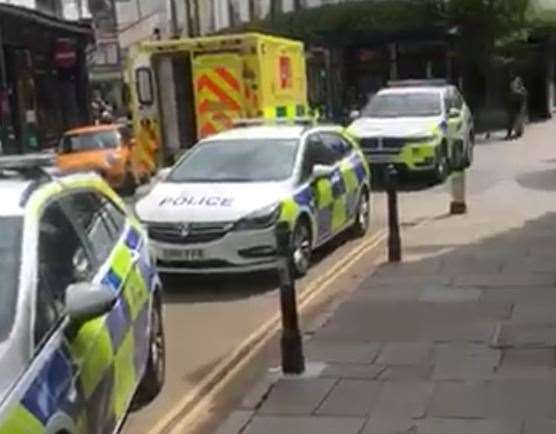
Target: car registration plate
(183,254)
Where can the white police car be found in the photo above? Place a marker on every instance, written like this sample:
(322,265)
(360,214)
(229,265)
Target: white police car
(420,126)
(217,209)
(80,320)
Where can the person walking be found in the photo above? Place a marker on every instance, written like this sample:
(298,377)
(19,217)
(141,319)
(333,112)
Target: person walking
(517,106)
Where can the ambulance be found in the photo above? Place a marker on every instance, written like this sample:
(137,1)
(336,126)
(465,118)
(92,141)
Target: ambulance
(184,90)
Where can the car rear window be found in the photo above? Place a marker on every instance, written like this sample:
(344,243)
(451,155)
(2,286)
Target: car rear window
(10,264)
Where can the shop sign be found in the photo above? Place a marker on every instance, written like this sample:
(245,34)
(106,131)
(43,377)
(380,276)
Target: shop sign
(65,53)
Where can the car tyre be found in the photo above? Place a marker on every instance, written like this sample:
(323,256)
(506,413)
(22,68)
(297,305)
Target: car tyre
(362,215)
(155,372)
(469,150)
(441,167)
(301,248)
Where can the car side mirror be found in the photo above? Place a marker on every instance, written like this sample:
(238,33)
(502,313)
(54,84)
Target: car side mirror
(454,113)
(354,114)
(86,301)
(163,173)
(322,171)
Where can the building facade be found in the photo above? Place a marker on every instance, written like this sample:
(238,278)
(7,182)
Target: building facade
(43,74)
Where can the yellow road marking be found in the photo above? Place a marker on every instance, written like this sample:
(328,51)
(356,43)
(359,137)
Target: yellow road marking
(189,408)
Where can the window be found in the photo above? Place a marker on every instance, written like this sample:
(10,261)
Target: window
(63,260)
(245,160)
(10,266)
(115,219)
(316,153)
(400,104)
(337,144)
(89,211)
(144,80)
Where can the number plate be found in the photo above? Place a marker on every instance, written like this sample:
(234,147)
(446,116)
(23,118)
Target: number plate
(183,254)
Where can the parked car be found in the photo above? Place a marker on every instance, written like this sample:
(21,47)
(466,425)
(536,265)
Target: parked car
(81,332)
(419,126)
(109,150)
(217,209)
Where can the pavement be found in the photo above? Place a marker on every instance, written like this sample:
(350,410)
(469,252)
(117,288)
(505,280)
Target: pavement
(459,338)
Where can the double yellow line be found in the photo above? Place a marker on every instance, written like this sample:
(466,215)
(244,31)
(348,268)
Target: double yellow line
(186,411)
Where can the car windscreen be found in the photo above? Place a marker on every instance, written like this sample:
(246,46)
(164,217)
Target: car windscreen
(415,104)
(248,160)
(89,141)
(10,262)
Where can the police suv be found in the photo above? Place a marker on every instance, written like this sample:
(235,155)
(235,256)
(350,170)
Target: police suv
(419,126)
(81,332)
(217,209)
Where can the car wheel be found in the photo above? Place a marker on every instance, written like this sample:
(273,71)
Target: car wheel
(155,373)
(362,215)
(301,248)
(469,151)
(441,168)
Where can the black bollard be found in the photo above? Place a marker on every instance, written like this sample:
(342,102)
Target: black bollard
(293,361)
(394,242)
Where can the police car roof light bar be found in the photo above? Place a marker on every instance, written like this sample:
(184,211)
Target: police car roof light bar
(417,83)
(274,121)
(30,166)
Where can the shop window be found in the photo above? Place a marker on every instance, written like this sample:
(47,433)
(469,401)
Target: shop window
(144,85)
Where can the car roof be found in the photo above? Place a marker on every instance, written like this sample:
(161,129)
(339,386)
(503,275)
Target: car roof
(93,129)
(415,89)
(291,132)
(15,187)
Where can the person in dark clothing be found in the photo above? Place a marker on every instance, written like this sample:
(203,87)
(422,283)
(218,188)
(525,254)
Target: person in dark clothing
(517,103)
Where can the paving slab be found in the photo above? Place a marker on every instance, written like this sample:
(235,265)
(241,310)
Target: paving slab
(505,280)
(458,400)
(407,373)
(448,294)
(539,426)
(353,371)
(520,399)
(393,425)
(304,425)
(334,351)
(405,353)
(527,363)
(235,422)
(403,399)
(525,335)
(296,396)
(350,398)
(463,426)
(462,361)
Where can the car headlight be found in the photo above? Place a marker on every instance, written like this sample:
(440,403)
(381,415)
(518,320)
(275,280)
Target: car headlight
(260,219)
(423,139)
(112,159)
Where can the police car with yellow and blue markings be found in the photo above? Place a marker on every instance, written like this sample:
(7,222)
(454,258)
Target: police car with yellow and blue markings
(81,333)
(216,210)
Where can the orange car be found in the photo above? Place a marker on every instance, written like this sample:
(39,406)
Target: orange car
(107,149)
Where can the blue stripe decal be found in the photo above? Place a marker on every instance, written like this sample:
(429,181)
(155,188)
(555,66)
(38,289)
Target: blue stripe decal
(304,197)
(358,168)
(325,222)
(140,333)
(51,385)
(338,186)
(133,239)
(112,280)
(118,322)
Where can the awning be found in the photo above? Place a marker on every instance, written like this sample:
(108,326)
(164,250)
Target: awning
(41,18)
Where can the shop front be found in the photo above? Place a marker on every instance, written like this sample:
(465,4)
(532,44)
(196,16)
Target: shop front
(43,78)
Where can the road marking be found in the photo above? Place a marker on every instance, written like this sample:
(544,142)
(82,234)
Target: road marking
(189,408)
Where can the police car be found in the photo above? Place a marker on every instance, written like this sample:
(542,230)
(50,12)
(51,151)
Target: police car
(217,209)
(81,333)
(420,126)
